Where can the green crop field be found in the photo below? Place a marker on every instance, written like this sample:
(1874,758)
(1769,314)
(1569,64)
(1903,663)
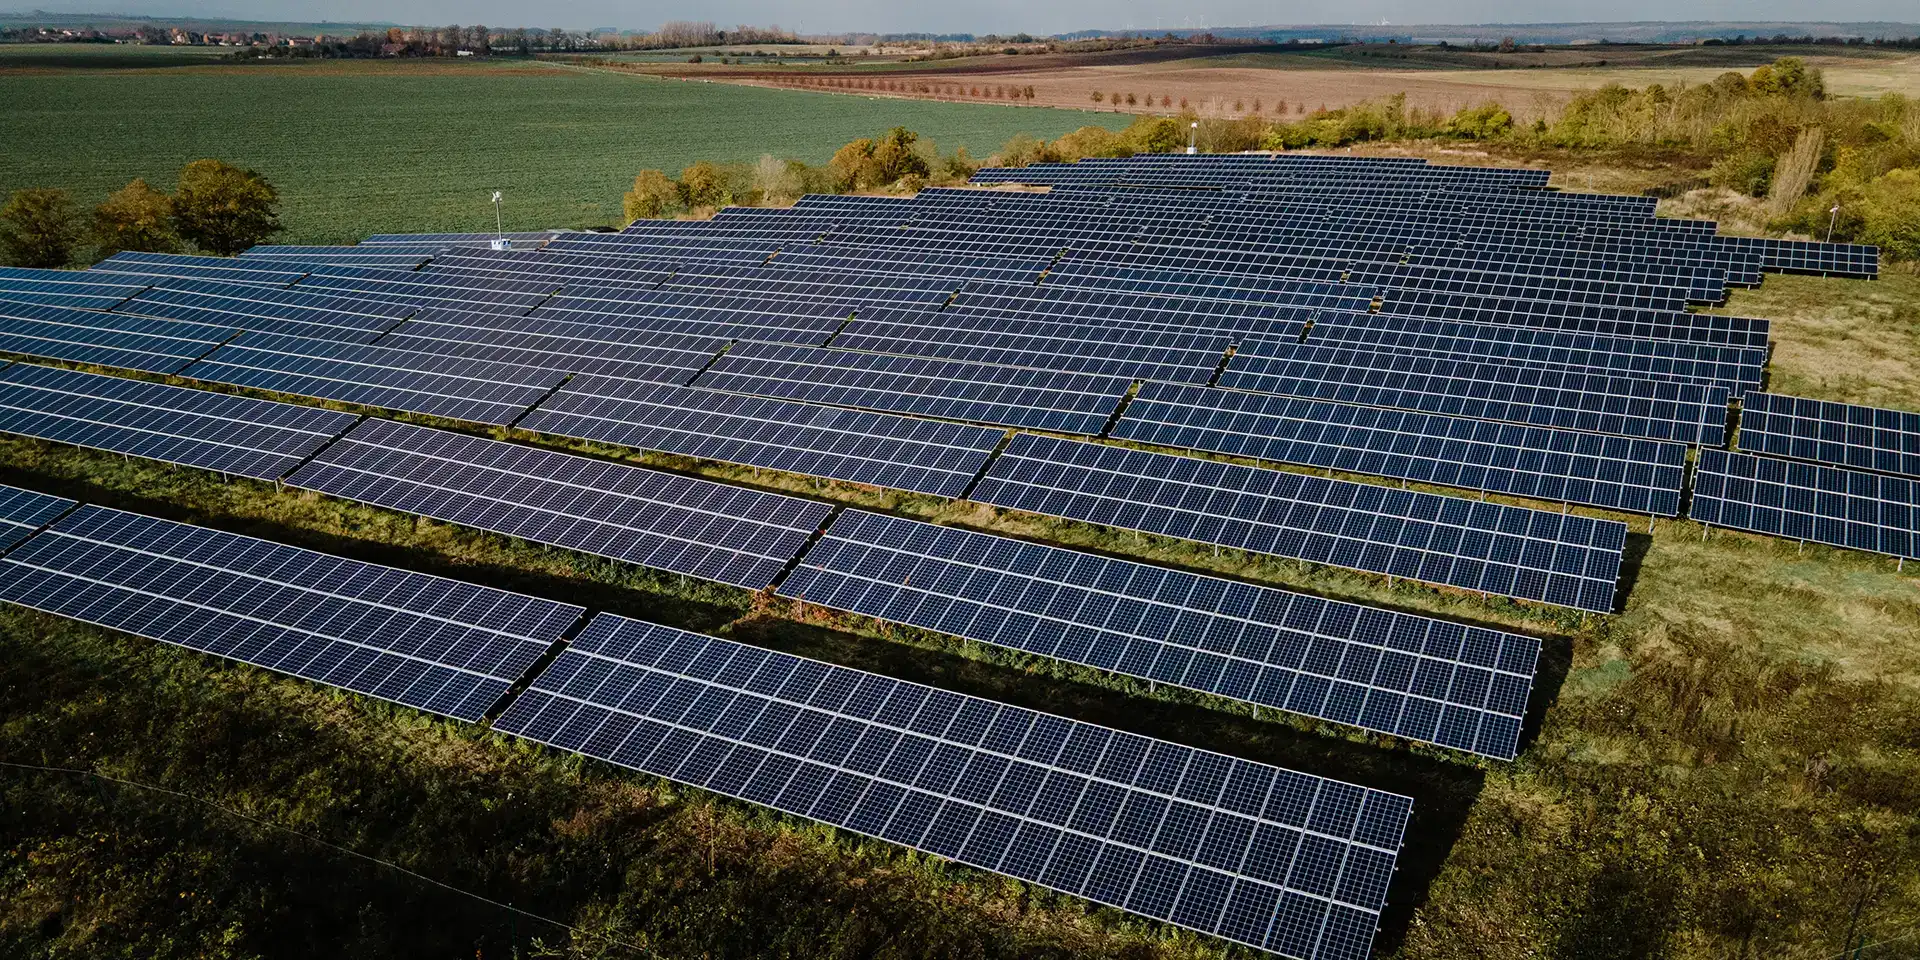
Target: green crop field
(367,147)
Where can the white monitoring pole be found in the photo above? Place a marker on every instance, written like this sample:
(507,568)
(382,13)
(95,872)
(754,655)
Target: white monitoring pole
(1193,137)
(1833,217)
(499,226)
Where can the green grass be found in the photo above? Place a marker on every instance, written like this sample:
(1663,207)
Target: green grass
(367,147)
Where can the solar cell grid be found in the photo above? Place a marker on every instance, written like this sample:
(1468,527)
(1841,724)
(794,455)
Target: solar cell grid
(182,266)
(661,520)
(1804,501)
(1638,476)
(66,288)
(1255,854)
(950,390)
(903,453)
(1132,354)
(1843,434)
(24,511)
(109,340)
(1508,551)
(476,293)
(561,269)
(440,645)
(430,383)
(628,354)
(1462,687)
(266,310)
(1506,390)
(198,428)
(1679,361)
(775,319)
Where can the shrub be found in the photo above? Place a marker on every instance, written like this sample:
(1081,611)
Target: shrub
(703,185)
(1484,122)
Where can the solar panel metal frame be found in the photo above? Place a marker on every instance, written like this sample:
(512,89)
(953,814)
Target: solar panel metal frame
(1823,431)
(24,511)
(1810,502)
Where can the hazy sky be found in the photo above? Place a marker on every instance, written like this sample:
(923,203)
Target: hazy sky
(985,16)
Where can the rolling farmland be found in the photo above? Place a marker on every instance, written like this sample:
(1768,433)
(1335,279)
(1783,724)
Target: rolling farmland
(419,146)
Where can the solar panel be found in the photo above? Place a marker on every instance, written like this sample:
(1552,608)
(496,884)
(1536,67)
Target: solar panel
(548,345)
(1287,862)
(198,428)
(732,317)
(434,384)
(24,511)
(270,273)
(1133,354)
(1565,399)
(444,646)
(654,519)
(1804,501)
(1639,476)
(65,288)
(1508,551)
(904,453)
(951,390)
(267,310)
(109,340)
(1424,679)
(1844,434)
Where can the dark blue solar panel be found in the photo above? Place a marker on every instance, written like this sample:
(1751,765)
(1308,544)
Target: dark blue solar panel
(266,310)
(1134,354)
(1462,687)
(550,345)
(109,340)
(904,453)
(655,519)
(24,511)
(198,428)
(435,384)
(440,645)
(1474,545)
(1639,476)
(1255,854)
(66,288)
(1844,434)
(271,273)
(1804,501)
(980,393)
(1540,396)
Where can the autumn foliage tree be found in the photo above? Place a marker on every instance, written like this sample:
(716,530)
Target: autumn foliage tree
(224,209)
(39,228)
(653,194)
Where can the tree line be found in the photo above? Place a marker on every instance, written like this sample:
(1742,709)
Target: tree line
(215,208)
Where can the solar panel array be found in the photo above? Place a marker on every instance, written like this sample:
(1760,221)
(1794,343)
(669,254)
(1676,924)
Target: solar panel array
(1569,560)
(1291,863)
(1640,476)
(214,431)
(654,519)
(1842,434)
(1382,317)
(440,645)
(1425,679)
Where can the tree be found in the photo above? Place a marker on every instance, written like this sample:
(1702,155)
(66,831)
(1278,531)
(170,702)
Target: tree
(38,228)
(223,209)
(138,217)
(1098,96)
(894,156)
(652,195)
(1507,45)
(852,164)
(703,185)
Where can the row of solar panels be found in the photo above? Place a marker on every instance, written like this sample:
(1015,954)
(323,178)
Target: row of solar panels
(1171,184)
(1295,864)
